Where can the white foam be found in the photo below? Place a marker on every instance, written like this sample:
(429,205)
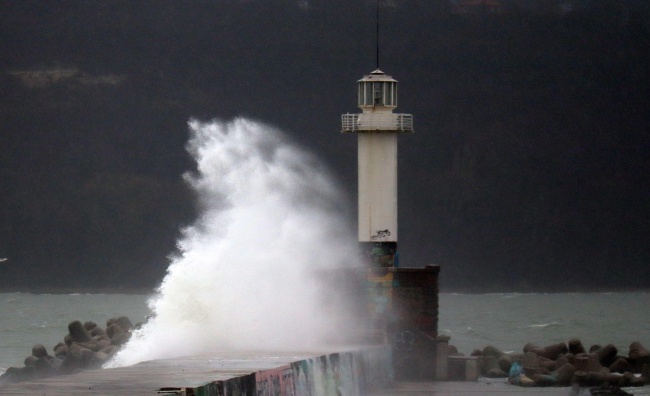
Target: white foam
(247,274)
(543,325)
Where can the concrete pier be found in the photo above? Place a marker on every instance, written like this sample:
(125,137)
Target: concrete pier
(354,372)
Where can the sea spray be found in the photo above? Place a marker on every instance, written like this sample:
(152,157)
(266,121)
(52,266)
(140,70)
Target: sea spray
(248,275)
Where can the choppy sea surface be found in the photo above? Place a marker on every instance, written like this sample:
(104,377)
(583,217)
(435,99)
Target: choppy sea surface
(509,320)
(504,320)
(27,319)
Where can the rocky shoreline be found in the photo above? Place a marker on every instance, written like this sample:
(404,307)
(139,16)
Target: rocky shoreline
(566,364)
(86,346)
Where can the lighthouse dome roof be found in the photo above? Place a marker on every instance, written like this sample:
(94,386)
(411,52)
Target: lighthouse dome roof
(377,75)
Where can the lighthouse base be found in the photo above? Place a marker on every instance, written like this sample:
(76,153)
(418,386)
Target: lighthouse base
(379,254)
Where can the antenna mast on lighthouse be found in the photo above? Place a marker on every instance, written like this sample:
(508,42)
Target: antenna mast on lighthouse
(377,128)
(377,35)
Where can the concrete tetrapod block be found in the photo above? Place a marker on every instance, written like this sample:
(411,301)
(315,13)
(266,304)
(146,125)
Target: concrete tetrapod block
(588,363)
(639,356)
(551,352)
(621,366)
(564,374)
(606,355)
(530,363)
(576,347)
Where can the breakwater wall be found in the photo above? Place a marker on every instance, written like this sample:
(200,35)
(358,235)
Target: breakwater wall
(343,373)
(350,371)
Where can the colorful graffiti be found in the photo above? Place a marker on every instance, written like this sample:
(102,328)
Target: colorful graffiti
(345,373)
(275,382)
(380,254)
(380,297)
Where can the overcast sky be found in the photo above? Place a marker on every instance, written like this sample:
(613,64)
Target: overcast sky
(528,168)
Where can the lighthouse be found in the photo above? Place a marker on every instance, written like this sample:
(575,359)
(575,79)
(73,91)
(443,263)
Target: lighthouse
(377,128)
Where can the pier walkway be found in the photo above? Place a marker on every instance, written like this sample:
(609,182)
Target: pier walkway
(150,378)
(302,373)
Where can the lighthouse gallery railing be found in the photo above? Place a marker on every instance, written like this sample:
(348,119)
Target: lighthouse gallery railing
(377,122)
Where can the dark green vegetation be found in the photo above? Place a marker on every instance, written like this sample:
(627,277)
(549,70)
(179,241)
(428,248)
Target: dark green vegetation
(528,169)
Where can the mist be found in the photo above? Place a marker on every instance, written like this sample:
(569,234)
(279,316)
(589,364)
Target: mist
(248,272)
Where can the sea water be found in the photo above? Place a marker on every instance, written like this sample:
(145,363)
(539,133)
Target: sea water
(510,320)
(27,319)
(473,321)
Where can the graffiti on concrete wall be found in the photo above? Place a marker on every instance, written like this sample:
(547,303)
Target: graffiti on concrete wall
(275,382)
(380,234)
(347,373)
(244,385)
(383,253)
(404,340)
(380,296)
(317,375)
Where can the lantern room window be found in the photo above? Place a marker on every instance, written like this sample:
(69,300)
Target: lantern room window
(378,97)
(378,93)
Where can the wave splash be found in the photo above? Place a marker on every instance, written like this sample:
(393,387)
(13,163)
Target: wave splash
(248,273)
(544,325)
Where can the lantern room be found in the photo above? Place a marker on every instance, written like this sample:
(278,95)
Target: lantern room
(377,99)
(377,90)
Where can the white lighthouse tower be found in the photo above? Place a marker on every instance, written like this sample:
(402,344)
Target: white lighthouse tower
(377,128)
